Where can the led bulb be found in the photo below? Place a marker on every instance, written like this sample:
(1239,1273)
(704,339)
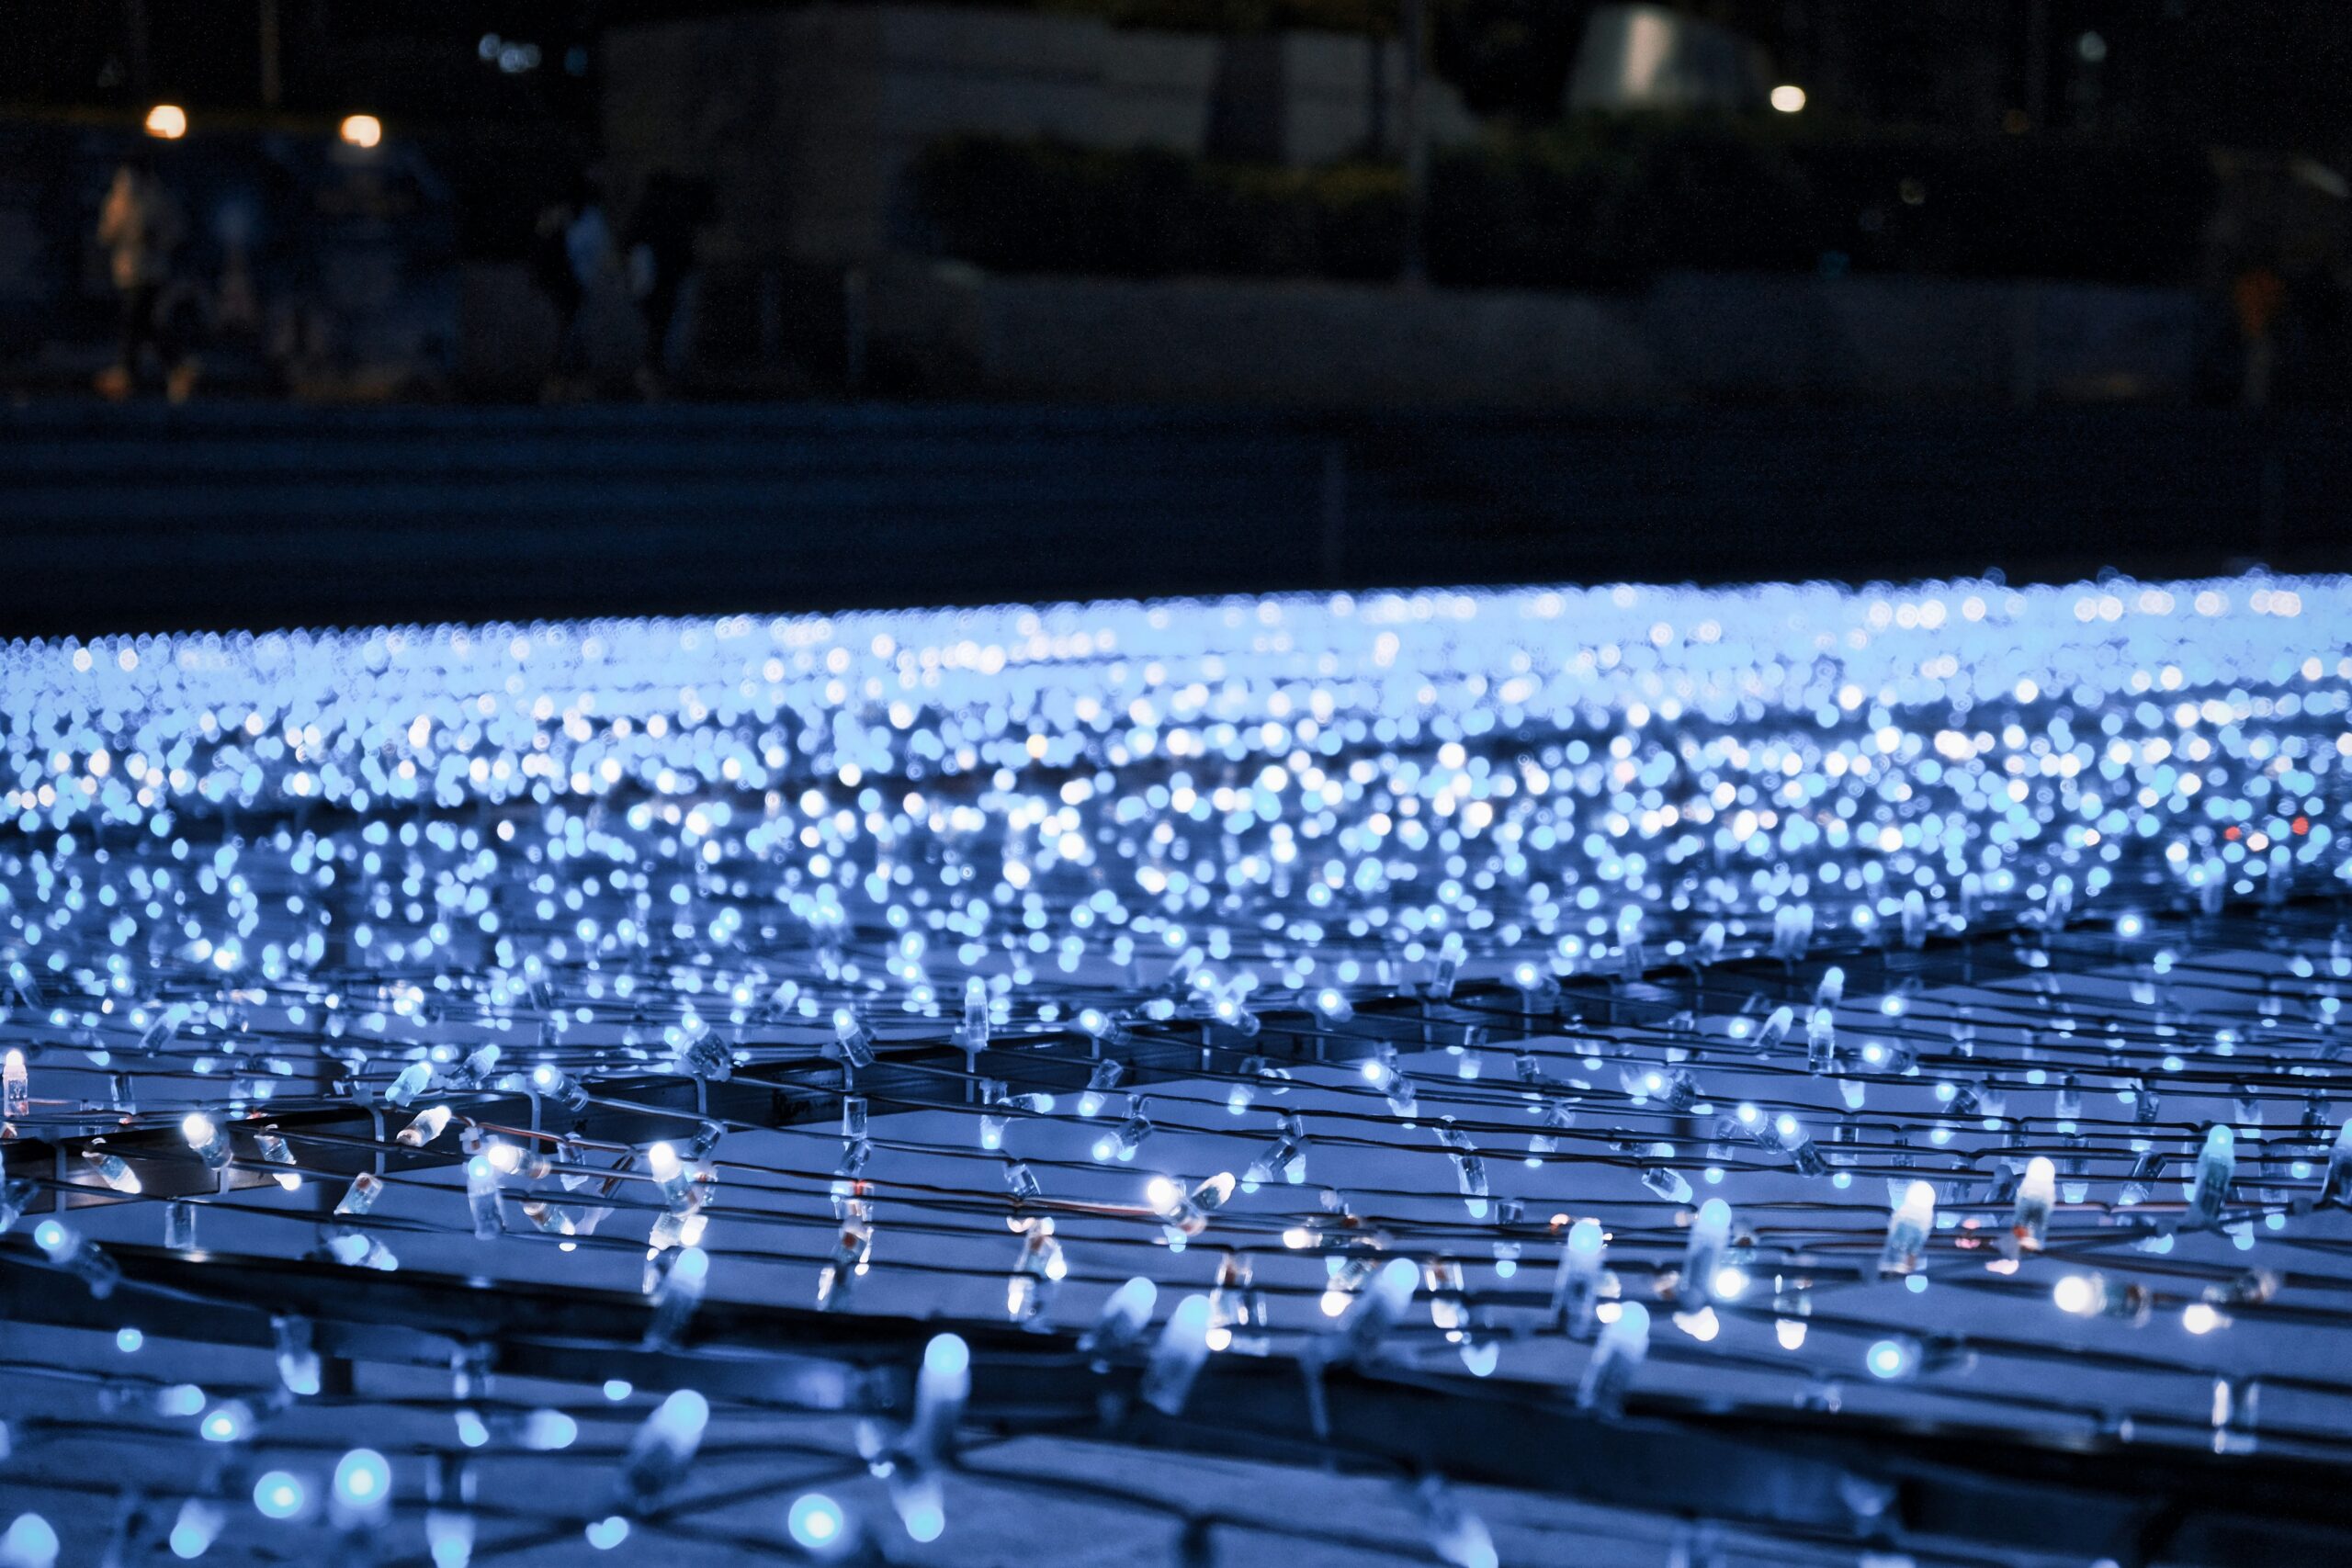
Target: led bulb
(280,1494)
(2030,1219)
(1907,1230)
(852,1042)
(363,1487)
(1623,1344)
(2080,1294)
(15,1088)
(818,1525)
(1891,1360)
(195,1528)
(664,1447)
(1177,1358)
(1703,1253)
(2208,1190)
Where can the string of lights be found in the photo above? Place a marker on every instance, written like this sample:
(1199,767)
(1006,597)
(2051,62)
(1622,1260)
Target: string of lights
(1877,1039)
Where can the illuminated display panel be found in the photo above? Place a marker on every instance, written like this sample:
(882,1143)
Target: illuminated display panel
(591,1064)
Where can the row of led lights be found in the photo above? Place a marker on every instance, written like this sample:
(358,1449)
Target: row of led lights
(168,122)
(360,1497)
(818,1524)
(361,1491)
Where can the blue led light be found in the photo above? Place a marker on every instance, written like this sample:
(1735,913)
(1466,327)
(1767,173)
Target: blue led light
(280,1494)
(926,1522)
(195,1529)
(679,1420)
(226,1422)
(363,1479)
(548,1430)
(29,1539)
(816,1522)
(1890,1359)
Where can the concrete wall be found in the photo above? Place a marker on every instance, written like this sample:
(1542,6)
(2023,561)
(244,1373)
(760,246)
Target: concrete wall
(1710,339)
(808,117)
(1310,343)
(252,513)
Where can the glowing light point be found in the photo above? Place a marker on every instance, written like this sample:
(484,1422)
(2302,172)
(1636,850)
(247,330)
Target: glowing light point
(816,1522)
(280,1494)
(1891,1359)
(29,1541)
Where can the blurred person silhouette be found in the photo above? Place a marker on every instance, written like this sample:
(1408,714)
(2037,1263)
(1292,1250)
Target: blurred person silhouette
(551,275)
(573,263)
(141,224)
(2258,295)
(236,303)
(659,244)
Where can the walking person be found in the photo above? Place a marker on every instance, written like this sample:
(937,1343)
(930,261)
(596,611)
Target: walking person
(140,226)
(575,265)
(2259,295)
(659,244)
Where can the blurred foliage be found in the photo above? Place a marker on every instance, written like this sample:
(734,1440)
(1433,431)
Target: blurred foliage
(1049,207)
(1594,202)
(1611,201)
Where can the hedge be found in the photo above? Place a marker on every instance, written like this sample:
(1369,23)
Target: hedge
(1599,202)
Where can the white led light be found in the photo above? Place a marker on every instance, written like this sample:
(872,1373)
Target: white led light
(2076,1293)
(817,1522)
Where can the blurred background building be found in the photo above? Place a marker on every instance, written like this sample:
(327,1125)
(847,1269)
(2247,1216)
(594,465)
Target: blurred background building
(1523,202)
